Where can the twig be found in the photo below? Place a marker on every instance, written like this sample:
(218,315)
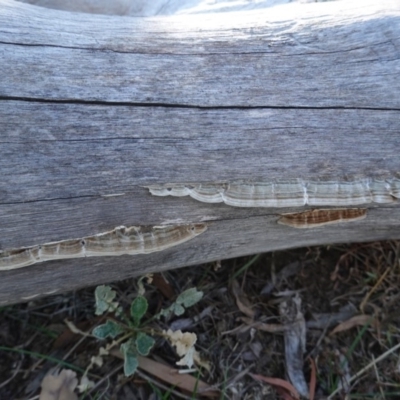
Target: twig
(162,386)
(7,381)
(108,376)
(366,368)
(379,380)
(369,294)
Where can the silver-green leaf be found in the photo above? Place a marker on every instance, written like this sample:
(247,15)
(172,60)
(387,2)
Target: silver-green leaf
(131,362)
(109,329)
(189,297)
(104,296)
(177,309)
(138,309)
(144,343)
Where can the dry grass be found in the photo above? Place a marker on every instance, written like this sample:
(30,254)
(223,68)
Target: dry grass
(350,301)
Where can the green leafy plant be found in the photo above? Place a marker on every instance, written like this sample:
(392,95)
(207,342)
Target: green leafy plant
(131,332)
(134,341)
(186,299)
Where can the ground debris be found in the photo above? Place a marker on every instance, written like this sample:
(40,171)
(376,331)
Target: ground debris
(349,310)
(295,342)
(59,386)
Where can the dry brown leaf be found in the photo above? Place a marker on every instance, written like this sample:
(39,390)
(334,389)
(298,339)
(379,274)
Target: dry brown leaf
(242,301)
(313,379)
(173,377)
(285,388)
(354,321)
(295,342)
(163,286)
(60,386)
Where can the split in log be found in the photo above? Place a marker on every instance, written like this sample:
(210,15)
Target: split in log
(95,108)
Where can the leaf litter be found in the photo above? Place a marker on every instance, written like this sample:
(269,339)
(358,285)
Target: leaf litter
(315,323)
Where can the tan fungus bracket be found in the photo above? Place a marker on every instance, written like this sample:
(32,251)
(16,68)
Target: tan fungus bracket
(121,240)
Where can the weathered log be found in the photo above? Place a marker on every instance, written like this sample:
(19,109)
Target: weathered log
(93,108)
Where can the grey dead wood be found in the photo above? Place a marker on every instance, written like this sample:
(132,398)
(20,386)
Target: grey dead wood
(92,106)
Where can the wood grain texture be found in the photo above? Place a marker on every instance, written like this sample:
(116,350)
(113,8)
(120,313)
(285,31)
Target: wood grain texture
(295,55)
(93,108)
(225,238)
